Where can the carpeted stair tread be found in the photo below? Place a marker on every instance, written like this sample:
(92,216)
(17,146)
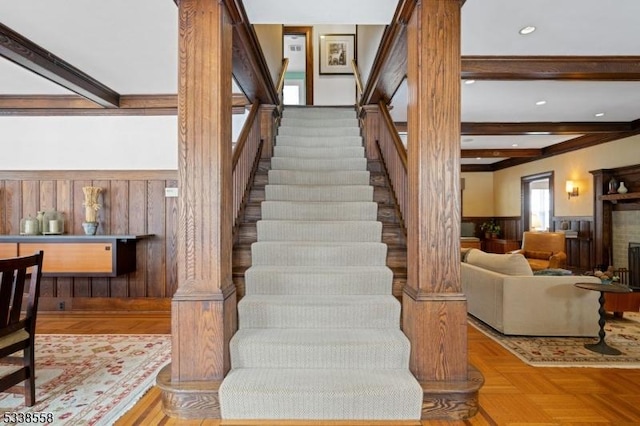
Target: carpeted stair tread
(319,326)
(318,311)
(301,210)
(318,280)
(319,152)
(319,113)
(319,122)
(317,177)
(319,131)
(321,394)
(297,163)
(318,192)
(312,253)
(318,141)
(305,230)
(319,348)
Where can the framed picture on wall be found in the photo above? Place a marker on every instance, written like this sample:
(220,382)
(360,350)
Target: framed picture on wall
(336,53)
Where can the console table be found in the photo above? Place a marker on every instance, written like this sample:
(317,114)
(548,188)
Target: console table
(77,255)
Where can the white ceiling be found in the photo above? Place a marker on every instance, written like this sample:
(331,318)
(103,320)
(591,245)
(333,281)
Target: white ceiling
(131,47)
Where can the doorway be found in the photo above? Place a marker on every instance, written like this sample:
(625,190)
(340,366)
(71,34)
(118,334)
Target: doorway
(537,202)
(297,45)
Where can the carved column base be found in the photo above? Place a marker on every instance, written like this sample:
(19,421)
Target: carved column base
(452,400)
(188,400)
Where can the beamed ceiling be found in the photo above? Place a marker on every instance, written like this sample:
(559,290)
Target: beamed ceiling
(72,57)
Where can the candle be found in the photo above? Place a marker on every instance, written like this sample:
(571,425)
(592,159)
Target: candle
(54,226)
(30,227)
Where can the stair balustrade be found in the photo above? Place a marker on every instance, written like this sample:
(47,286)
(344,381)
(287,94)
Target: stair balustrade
(246,157)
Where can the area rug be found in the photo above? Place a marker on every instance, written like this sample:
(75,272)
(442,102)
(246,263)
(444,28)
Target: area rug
(91,379)
(621,333)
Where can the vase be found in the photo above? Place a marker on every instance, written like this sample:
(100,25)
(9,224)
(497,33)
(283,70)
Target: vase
(622,189)
(90,228)
(613,185)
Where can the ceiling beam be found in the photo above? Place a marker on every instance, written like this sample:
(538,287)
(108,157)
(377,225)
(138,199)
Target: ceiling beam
(500,153)
(596,68)
(544,128)
(29,55)
(42,105)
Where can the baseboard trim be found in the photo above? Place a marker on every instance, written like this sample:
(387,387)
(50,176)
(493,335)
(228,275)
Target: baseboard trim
(188,400)
(452,400)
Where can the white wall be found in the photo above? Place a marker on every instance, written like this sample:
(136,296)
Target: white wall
(331,89)
(369,37)
(270,38)
(89,143)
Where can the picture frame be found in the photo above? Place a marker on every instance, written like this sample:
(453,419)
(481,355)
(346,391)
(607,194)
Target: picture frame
(336,53)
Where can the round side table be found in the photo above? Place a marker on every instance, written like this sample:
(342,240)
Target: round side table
(601,347)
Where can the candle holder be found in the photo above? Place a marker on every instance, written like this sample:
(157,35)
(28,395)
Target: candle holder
(53,223)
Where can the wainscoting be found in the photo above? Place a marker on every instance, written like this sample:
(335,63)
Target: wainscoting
(133,202)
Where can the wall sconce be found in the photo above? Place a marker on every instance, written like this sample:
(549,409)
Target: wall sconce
(572,189)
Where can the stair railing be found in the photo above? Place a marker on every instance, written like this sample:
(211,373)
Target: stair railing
(245,160)
(280,85)
(394,159)
(356,75)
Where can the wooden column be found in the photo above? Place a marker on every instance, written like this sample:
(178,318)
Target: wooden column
(434,308)
(370,115)
(267,129)
(204,306)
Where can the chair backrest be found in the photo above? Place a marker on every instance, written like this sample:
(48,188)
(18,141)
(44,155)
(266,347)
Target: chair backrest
(15,273)
(553,242)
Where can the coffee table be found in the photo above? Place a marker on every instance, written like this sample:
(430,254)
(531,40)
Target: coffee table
(601,347)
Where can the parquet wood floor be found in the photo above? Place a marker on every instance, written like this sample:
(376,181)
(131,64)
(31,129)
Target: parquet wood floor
(514,393)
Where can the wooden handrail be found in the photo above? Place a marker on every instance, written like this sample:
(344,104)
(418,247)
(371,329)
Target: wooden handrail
(244,134)
(390,65)
(250,68)
(356,74)
(283,71)
(402,151)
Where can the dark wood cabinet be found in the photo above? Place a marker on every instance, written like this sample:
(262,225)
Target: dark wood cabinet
(498,245)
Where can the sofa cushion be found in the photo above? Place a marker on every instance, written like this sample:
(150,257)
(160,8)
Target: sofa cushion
(537,254)
(508,264)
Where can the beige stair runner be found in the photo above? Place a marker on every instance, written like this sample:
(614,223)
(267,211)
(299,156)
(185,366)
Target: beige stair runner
(319,330)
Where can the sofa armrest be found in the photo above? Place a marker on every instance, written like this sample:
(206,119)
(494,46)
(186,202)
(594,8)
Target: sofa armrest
(558,260)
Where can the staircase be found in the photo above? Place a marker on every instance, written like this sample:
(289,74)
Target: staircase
(319,334)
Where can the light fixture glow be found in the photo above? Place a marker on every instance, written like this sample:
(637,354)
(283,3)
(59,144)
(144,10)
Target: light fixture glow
(527,30)
(467,82)
(572,189)
(599,114)
(514,145)
(541,102)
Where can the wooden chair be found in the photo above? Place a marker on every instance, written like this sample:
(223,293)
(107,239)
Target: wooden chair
(18,325)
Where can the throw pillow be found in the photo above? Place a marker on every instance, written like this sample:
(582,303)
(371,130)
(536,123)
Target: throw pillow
(553,272)
(508,264)
(535,254)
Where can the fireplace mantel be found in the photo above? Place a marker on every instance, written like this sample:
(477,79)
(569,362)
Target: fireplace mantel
(605,204)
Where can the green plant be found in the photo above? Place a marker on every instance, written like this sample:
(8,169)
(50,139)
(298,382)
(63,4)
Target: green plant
(490,227)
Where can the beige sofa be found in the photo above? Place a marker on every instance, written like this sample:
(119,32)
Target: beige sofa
(502,291)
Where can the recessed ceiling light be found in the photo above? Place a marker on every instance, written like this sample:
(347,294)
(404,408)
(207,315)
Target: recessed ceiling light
(541,102)
(478,158)
(514,145)
(599,114)
(527,30)
(469,81)
(467,140)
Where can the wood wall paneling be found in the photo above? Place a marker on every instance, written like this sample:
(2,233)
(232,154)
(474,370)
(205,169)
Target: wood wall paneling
(132,202)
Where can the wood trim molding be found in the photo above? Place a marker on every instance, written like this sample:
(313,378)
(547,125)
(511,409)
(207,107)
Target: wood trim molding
(88,174)
(500,153)
(24,52)
(552,128)
(600,68)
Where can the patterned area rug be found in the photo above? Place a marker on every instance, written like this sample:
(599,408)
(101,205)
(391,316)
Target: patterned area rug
(91,379)
(621,333)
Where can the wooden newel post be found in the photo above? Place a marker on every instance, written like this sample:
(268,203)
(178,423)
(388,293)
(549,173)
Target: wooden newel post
(204,306)
(434,308)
